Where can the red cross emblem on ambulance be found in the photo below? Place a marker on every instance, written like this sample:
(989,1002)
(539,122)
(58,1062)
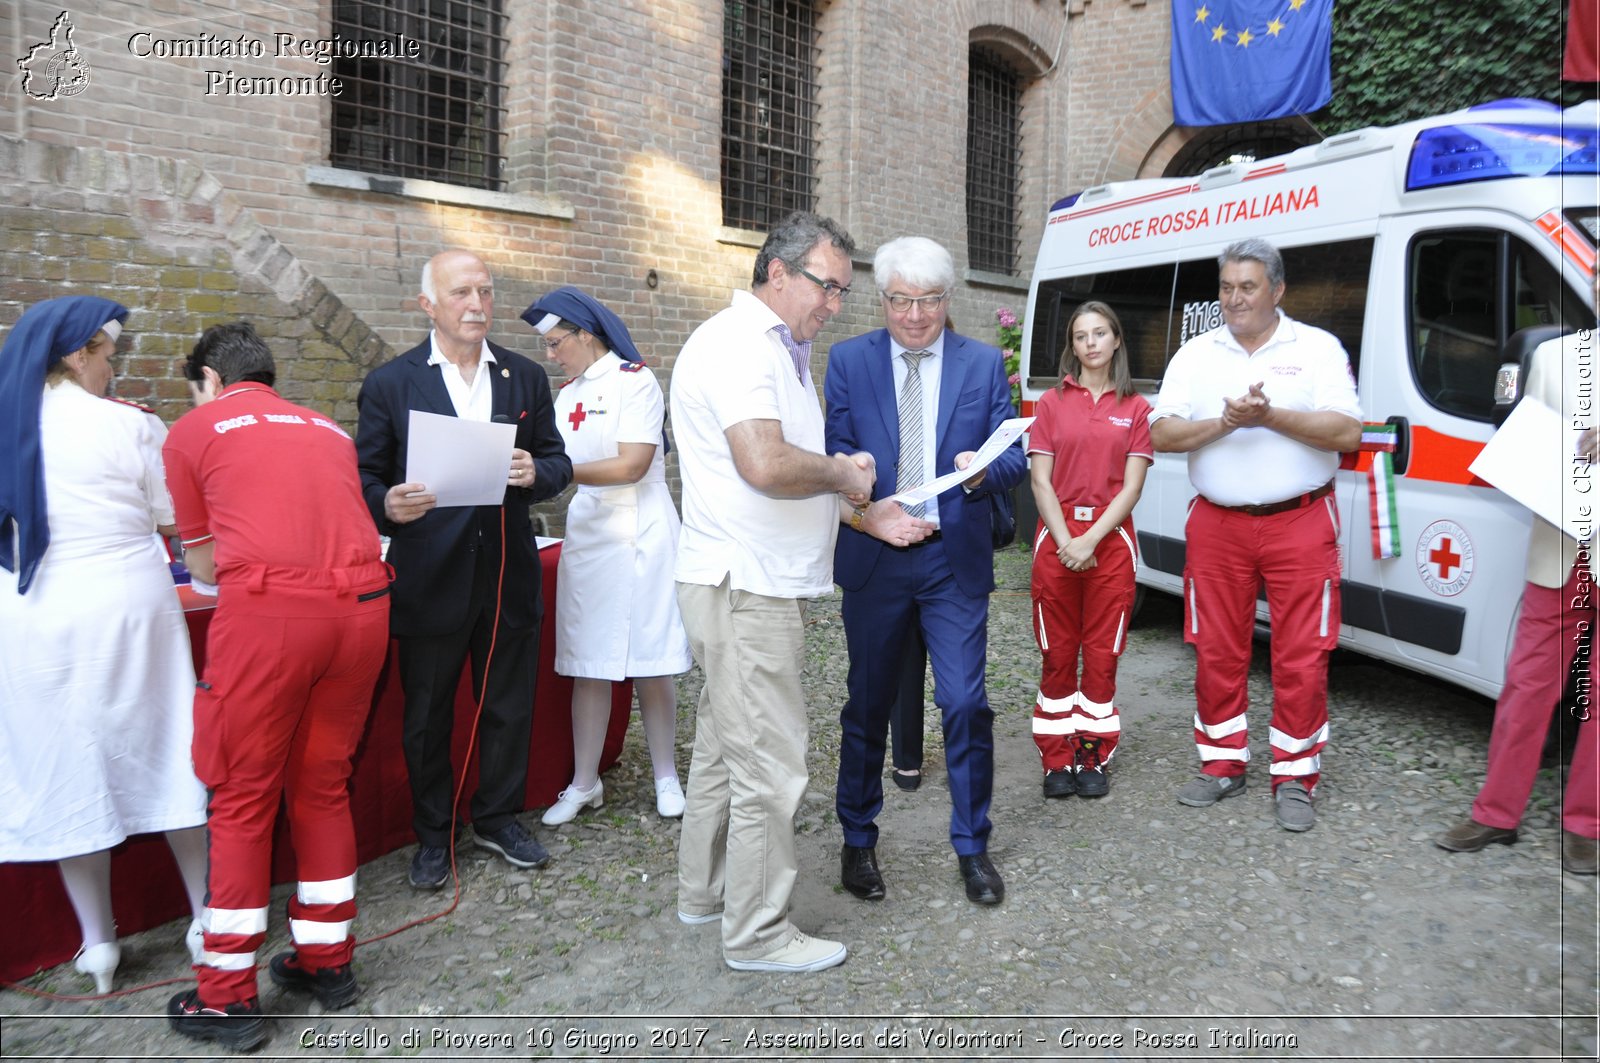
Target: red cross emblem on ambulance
(1444,558)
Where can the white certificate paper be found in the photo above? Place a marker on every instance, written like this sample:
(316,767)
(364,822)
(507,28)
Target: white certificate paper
(1531,459)
(1008,433)
(464,463)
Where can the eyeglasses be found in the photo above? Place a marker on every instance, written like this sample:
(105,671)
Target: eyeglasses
(551,344)
(830,290)
(901,303)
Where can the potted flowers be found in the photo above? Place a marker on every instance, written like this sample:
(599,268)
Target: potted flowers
(1008,329)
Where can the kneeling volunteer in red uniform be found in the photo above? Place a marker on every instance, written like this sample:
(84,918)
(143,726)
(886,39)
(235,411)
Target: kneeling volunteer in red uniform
(269,505)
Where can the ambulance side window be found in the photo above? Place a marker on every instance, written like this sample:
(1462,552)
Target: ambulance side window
(1142,299)
(1163,307)
(1324,285)
(1469,290)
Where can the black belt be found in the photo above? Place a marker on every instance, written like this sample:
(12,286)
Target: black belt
(1267,509)
(372,596)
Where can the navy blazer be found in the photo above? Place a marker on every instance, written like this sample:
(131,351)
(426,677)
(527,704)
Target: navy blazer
(433,557)
(863,414)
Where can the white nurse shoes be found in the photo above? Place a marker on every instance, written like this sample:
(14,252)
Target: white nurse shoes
(571,801)
(100,963)
(669,797)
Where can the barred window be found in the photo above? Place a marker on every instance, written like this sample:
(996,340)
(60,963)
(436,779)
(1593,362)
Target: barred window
(994,96)
(769,84)
(438,116)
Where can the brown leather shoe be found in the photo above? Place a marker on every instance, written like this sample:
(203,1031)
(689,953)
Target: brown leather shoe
(1469,836)
(1579,855)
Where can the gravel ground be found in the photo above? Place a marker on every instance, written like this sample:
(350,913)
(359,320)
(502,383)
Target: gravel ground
(1133,927)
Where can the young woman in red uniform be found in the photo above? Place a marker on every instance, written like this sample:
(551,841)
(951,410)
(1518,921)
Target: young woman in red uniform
(1089,450)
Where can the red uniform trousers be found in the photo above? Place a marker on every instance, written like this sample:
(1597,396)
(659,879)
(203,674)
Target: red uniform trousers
(1547,637)
(288,685)
(1296,554)
(1075,720)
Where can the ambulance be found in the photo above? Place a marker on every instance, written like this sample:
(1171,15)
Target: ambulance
(1440,252)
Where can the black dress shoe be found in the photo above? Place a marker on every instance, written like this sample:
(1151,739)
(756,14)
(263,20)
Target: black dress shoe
(906,780)
(858,872)
(984,884)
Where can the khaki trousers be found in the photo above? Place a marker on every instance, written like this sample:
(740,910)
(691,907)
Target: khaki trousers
(736,851)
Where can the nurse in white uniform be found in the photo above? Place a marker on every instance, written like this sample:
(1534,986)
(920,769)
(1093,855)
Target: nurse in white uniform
(616,608)
(96,678)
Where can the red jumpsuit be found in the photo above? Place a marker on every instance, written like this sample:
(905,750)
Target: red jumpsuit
(299,637)
(1075,720)
(1265,515)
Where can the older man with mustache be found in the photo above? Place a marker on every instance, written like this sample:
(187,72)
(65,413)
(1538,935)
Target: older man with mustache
(452,593)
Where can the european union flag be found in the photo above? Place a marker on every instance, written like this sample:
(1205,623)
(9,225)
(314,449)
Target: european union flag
(1249,60)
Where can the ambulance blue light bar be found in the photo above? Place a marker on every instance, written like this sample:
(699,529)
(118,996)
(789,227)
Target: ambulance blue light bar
(1467,152)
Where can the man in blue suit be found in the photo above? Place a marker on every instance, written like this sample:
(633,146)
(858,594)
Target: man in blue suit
(466,578)
(921,399)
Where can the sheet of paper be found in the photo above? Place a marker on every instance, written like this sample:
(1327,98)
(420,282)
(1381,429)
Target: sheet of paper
(1532,459)
(463,462)
(1008,433)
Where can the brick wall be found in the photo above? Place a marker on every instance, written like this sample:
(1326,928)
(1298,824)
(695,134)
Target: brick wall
(196,206)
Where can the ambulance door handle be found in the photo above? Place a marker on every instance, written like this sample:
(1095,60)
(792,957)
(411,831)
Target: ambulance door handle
(1402,443)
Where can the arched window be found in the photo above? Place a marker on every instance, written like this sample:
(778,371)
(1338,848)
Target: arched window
(1219,145)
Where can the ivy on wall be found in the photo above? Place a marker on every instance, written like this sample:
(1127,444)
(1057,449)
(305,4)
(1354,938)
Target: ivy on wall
(1395,60)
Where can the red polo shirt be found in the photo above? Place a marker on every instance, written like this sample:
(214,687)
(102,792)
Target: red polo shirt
(273,483)
(1090,441)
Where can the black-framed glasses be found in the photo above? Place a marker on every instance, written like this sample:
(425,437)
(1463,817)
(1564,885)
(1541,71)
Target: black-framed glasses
(901,303)
(830,290)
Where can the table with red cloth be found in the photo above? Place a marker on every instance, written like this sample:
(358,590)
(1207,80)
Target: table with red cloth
(41,930)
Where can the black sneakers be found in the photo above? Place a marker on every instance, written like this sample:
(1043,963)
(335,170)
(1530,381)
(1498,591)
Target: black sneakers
(334,987)
(513,842)
(239,1026)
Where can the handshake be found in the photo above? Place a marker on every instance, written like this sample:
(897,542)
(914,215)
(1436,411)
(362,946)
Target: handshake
(883,519)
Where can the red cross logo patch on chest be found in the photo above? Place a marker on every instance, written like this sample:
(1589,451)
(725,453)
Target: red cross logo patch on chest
(576,417)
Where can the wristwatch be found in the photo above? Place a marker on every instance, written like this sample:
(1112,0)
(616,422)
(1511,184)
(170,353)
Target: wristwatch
(858,518)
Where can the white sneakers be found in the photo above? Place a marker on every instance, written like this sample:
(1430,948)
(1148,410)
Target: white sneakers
(801,954)
(669,798)
(688,919)
(571,801)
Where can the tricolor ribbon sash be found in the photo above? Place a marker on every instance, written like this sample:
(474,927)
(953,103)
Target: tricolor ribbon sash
(1379,440)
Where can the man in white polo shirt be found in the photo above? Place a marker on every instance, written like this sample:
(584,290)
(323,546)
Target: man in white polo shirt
(1263,405)
(761,509)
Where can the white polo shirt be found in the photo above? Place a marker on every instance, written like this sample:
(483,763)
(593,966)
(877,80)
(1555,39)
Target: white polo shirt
(735,368)
(1299,368)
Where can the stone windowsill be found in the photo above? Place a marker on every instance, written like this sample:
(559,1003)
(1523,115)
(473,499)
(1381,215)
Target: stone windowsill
(439,192)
